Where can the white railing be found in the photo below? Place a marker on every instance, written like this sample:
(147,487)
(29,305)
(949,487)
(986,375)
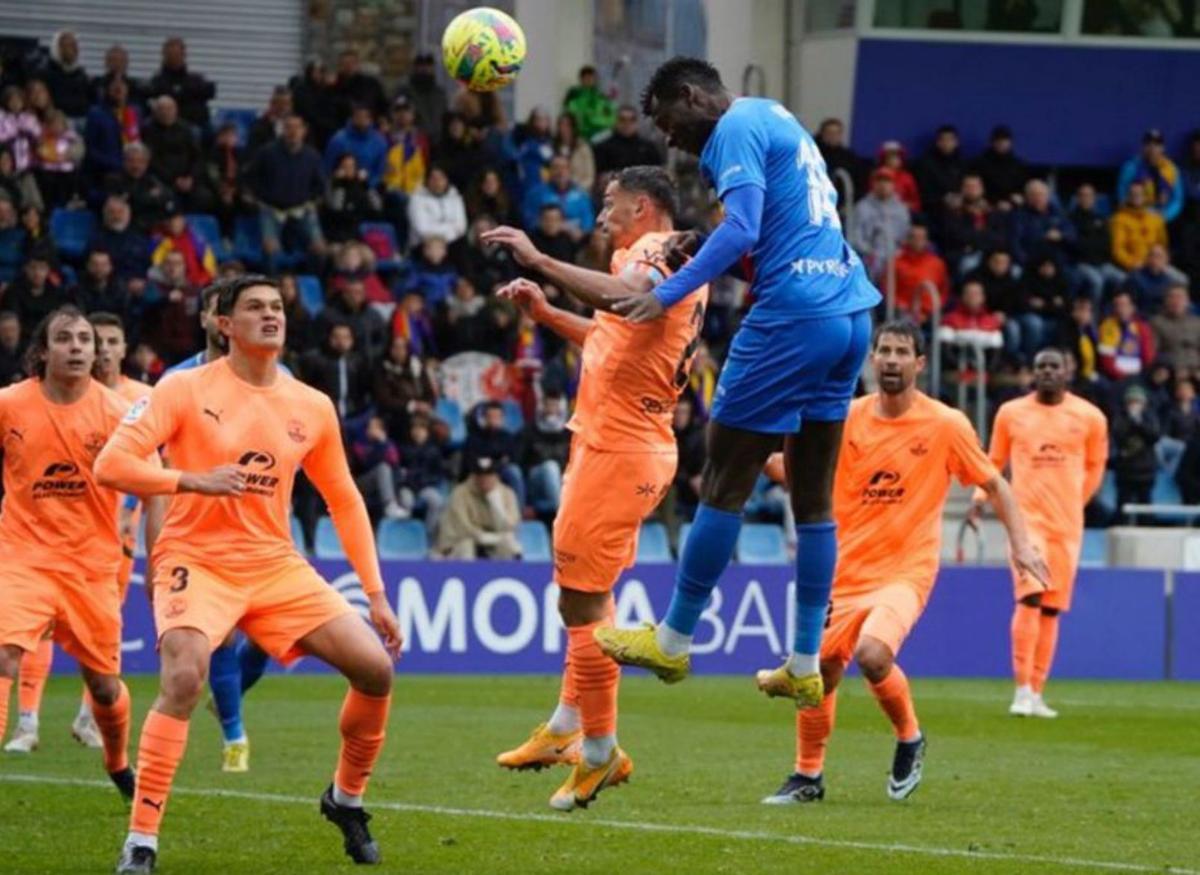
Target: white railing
(973,347)
(1187,512)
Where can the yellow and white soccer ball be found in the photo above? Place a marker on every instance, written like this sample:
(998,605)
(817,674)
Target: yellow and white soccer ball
(483,48)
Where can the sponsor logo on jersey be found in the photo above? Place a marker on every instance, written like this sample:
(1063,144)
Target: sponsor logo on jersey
(60,480)
(257,463)
(883,488)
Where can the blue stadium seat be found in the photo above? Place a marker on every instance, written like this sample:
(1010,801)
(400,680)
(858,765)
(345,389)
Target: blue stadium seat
(514,417)
(381,237)
(312,296)
(1166,490)
(12,254)
(762,544)
(535,541)
(684,530)
(298,534)
(71,230)
(1095,548)
(448,411)
(328,545)
(242,119)
(402,539)
(247,241)
(653,543)
(209,231)
(1106,498)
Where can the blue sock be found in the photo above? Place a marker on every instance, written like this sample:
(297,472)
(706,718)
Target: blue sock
(816,555)
(707,552)
(252,662)
(225,678)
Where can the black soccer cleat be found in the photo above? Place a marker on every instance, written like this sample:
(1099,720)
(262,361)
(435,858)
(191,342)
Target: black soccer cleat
(136,859)
(796,790)
(125,781)
(907,765)
(359,845)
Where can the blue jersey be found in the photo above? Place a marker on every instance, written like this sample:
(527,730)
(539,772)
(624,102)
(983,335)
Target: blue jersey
(200,359)
(803,266)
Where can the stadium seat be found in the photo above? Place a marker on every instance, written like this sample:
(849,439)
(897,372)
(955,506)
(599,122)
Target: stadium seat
(684,530)
(328,545)
(298,534)
(1166,490)
(1095,548)
(653,543)
(762,544)
(514,417)
(209,231)
(449,412)
(247,241)
(72,229)
(402,539)
(312,296)
(242,119)
(535,541)
(12,255)
(381,237)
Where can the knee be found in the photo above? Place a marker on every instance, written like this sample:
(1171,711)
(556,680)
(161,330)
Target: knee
(1050,612)
(373,677)
(831,675)
(580,608)
(105,689)
(10,661)
(182,685)
(874,660)
(1034,600)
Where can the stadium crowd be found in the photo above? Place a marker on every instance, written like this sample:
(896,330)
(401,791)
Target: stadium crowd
(129,196)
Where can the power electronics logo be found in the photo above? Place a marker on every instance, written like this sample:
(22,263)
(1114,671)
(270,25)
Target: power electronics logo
(1049,455)
(883,488)
(257,463)
(60,480)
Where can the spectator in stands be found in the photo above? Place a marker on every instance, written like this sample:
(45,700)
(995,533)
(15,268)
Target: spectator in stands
(299,322)
(12,369)
(1126,343)
(65,77)
(18,186)
(571,145)
(971,313)
(39,98)
(1182,421)
(590,107)
(338,369)
(111,124)
(436,209)
(353,88)
(533,147)
(1149,283)
(35,293)
(116,66)
(1004,174)
(147,196)
(422,474)
(349,201)
(487,197)
(1157,174)
(1043,305)
(286,179)
(12,239)
(224,172)
(940,170)
(349,307)
(411,320)
(402,387)
(480,520)
(1095,274)
(1040,228)
(460,320)
(99,288)
(460,151)
(881,221)
(408,152)
(1189,167)
(428,97)
(314,101)
(1177,332)
(19,127)
(624,146)
(575,203)
(268,127)
(374,458)
(174,332)
(432,273)
(488,264)
(1135,431)
(547,445)
(916,266)
(190,91)
(689,442)
(1135,228)
(488,437)
(831,141)
(970,227)
(356,261)
(33,222)
(58,160)
(553,236)
(127,246)
(361,139)
(893,156)
(177,235)
(1079,336)
(1000,282)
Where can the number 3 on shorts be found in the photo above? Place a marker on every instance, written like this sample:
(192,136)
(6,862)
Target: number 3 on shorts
(180,573)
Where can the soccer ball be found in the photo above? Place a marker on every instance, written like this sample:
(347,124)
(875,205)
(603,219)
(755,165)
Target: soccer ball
(483,48)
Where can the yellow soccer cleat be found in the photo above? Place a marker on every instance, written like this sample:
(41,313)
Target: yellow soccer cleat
(543,748)
(640,647)
(807,690)
(585,782)
(235,756)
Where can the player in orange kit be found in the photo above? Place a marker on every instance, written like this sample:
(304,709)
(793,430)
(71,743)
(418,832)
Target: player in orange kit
(58,528)
(236,430)
(1057,446)
(900,451)
(622,462)
(35,667)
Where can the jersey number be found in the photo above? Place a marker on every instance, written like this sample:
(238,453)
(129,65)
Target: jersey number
(684,368)
(822,196)
(180,573)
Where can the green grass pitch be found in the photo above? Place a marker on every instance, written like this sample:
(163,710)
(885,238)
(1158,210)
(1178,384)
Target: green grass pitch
(1111,786)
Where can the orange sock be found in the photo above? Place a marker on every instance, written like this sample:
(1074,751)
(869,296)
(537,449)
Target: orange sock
(363,725)
(5,689)
(113,723)
(1024,640)
(569,694)
(160,749)
(894,698)
(596,677)
(35,668)
(813,728)
(1043,654)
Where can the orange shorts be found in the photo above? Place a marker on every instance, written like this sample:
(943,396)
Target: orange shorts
(1062,557)
(85,613)
(276,606)
(605,497)
(887,614)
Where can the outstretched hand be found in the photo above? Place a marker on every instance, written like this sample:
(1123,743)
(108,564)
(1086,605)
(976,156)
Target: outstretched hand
(527,295)
(516,241)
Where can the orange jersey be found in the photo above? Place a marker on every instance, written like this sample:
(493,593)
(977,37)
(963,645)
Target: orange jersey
(1057,453)
(207,417)
(892,479)
(633,373)
(132,390)
(55,515)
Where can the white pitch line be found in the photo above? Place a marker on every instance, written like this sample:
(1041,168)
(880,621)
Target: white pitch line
(641,826)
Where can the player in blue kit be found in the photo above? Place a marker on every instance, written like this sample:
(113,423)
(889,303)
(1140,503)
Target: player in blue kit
(791,368)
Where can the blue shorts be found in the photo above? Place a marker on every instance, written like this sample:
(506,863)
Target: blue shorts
(777,376)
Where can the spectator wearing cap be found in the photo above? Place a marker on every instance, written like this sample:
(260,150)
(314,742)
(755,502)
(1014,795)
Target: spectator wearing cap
(918,266)
(940,170)
(1040,228)
(831,141)
(268,127)
(881,221)
(1150,282)
(176,157)
(1135,431)
(1126,343)
(1004,174)
(65,77)
(560,190)
(1177,332)
(624,146)
(35,293)
(591,108)
(1095,274)
(361,139)
(190,91)
(111,124)
(146,194)
(428,98)
(1135,228)
(128,247)
(177,235)
(338,369)
(287,180)
(893,156)
(481,517)
(1157,174)
(436,209)
(354,88)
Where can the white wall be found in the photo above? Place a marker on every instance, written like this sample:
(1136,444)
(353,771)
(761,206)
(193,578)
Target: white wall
(823,78)
(558,34)
(742,33)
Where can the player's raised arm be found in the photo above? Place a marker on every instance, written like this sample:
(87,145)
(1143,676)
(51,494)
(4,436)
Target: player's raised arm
(530,298)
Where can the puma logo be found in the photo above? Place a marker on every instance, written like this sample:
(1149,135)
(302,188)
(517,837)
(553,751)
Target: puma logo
(157,806)
(216,416)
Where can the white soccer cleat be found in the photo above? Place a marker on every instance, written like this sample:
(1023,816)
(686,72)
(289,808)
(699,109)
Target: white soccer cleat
(86,732)
(1022,703)
(1041,709)
(24,740)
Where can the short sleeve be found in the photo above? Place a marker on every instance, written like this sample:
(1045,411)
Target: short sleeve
(968,462)
(736,155)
